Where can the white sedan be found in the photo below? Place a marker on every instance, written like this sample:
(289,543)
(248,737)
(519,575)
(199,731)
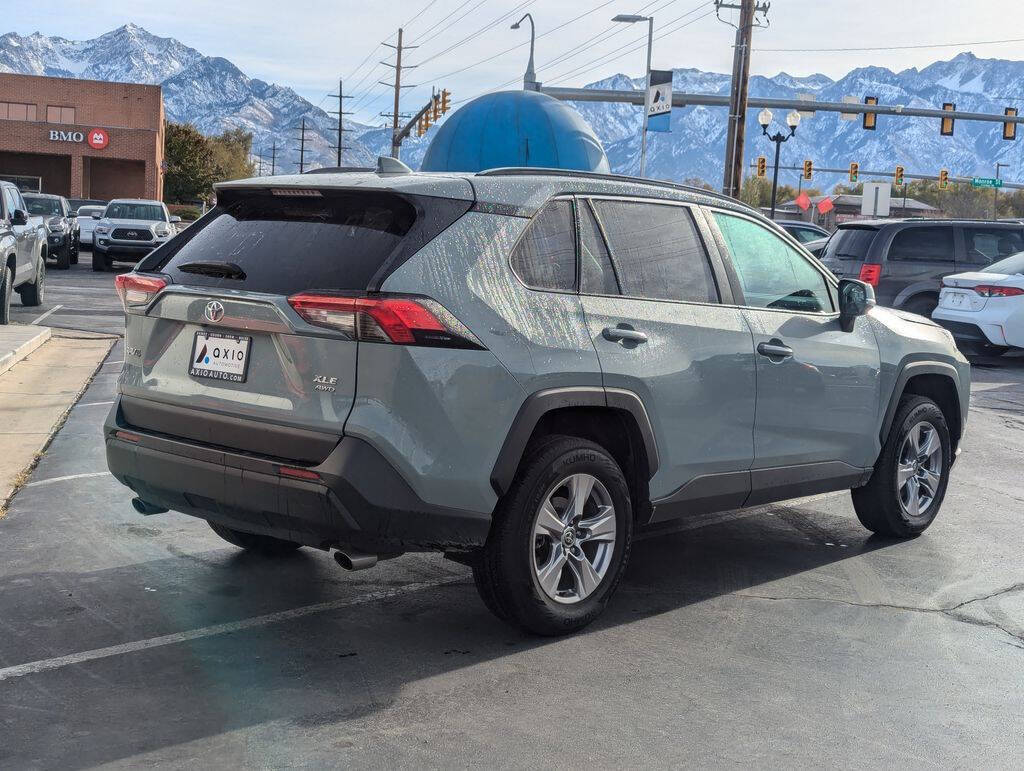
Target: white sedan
(985,309)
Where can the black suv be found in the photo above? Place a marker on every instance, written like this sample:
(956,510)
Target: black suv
(906,259)
(61,226)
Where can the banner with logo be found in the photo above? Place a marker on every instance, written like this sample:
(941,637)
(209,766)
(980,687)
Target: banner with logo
(659,101)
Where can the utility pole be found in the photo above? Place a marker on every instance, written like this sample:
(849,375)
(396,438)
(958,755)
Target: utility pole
(342,96)
(273,159)
(734,138)
(397,85)
(259,162)
(302,147)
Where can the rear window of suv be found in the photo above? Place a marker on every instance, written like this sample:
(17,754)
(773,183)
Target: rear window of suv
(850,243)
(288,244)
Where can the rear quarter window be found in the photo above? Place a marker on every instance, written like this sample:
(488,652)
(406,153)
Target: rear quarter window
(922,244)
(340,240)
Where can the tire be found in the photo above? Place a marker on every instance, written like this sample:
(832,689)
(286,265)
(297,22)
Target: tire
(100,261)
(922,305)
(32,295)
(64,257)
(260,544)
(519,551)
(881,505)
(5,295)
(76,249)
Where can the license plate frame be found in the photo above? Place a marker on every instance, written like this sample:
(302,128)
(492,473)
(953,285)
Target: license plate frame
(222,375)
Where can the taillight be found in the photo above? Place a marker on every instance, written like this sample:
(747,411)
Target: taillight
(870,273)
(991,290)
(136,290)
(399,320)
(298,473)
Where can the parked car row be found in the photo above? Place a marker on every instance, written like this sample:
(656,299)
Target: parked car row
(959,272)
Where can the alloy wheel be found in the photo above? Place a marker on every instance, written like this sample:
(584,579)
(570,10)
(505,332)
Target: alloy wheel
(574,538)
(920,469)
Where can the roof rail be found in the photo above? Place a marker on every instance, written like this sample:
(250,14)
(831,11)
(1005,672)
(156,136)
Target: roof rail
(523,171)
(341,170)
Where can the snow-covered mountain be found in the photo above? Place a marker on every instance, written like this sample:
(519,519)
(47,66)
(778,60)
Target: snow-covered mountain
(696,144)
(214,95)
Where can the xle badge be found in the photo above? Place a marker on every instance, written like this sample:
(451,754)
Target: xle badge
(324,383)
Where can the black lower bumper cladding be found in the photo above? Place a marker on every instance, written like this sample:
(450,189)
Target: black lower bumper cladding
(360,500)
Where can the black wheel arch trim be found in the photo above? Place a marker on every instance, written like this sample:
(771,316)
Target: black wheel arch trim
(539,403)
(913,369)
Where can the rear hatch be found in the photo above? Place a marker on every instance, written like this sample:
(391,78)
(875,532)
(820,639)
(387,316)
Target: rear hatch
(216,353)
(847,250)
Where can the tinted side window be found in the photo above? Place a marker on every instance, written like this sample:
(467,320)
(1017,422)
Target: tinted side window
(850,243)
(656,251)
(597,275)
(923,244)
(986,245)
(11,199)
(771,272)
(546,256)
(803,235)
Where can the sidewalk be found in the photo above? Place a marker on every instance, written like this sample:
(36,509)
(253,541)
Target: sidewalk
(42,374)
(18,341)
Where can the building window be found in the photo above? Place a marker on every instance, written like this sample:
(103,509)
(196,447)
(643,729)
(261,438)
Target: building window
(17,111)
(60,114)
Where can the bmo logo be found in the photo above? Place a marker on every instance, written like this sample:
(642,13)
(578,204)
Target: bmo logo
(97,138)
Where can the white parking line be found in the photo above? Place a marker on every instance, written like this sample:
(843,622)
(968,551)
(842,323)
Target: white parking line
(52,310)
(43,665)
(64,479)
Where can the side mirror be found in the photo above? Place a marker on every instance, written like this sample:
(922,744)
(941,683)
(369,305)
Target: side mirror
(97,216)
(175,218)
(855,299)
(19,217)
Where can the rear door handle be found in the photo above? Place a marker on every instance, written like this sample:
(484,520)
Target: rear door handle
(624,333)
(775,349)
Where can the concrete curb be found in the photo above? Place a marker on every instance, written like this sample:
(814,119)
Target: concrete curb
(17,341)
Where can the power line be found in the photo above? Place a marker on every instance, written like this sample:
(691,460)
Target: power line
(423,10)
(445,18)
(892,48)
(637,45)
(516,9)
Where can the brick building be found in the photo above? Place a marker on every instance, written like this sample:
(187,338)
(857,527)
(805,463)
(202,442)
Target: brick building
(82,138)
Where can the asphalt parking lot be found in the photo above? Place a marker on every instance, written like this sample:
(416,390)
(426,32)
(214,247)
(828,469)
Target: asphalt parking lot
(782,636)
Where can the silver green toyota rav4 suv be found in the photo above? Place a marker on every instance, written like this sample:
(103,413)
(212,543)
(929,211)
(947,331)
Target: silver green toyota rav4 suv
(522,368)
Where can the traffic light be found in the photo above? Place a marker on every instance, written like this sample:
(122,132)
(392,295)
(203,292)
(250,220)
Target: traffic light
(808,169)
(897,177)
(1010,128)
(762,165)
(946,125)
(870,118)
(445,100)
(943,179)
(435,108)
(419,127)
(854,171)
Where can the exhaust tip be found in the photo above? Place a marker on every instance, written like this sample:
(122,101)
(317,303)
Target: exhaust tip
(146,509)
(355,560)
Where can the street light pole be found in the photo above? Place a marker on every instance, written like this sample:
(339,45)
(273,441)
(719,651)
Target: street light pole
(995,192)
(633,19)
(764,118)
(530,78)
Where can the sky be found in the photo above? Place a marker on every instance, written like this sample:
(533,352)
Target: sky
(309,44)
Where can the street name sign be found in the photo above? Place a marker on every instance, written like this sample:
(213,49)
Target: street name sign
(986,182)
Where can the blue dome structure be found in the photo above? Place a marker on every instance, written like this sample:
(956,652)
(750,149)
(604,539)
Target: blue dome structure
(515,128)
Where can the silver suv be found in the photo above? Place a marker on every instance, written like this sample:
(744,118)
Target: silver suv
(521,368)
(130,228)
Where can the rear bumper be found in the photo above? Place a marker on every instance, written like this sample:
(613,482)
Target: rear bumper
(359,501)
(965,328)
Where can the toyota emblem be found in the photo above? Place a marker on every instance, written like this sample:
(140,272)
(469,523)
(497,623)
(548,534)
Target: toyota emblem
(132,234)
(214,311)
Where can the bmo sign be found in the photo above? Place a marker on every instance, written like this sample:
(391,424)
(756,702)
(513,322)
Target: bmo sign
(97,138)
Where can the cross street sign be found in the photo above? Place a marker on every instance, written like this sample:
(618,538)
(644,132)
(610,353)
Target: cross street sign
(986,182)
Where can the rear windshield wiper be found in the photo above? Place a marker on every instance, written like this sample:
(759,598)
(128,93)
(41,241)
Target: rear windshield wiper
(214,269)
